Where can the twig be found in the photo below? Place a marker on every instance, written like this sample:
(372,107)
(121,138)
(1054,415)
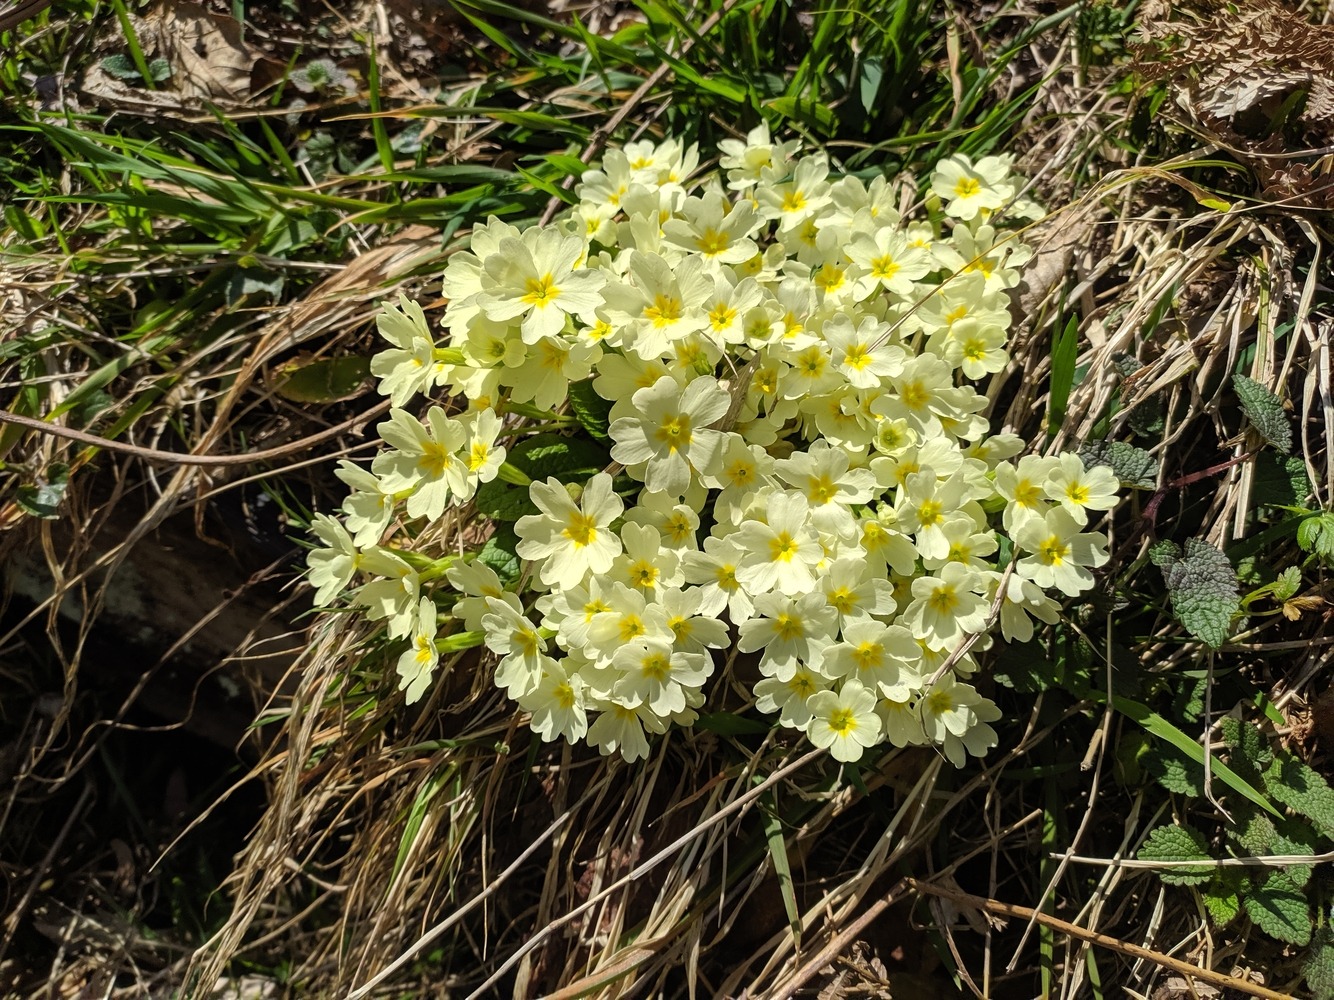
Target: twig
(185,458)
(1216,979)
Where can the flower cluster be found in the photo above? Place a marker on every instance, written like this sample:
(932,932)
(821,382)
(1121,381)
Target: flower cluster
(780,365)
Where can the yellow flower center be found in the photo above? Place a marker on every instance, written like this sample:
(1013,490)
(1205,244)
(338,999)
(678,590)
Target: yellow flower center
(929,513)
(943,599)
(967,187)
(884,268)
(821,489)
(564,695)
(857,357)
(656,666)
(788,627)
(711,242)
(665,310)
(794,200)
(843,600)
(674,431)
(541,291)
(842,721)
(914,395)
(632,627)
(868,654)
(581,529)
(721,316)
(1053,551)
(1077,493)
(783,548)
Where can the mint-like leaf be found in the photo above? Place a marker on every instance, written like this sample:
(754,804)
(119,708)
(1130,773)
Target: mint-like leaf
(499,554)
(1279,908)
(1291,782)
(1203,588)
(502,501)
(1319,968)
(1222,896)
(1265,412)
(1175,771)
(593,411)
(1280,480)
(1134,467)
(1178,843)
(571,460)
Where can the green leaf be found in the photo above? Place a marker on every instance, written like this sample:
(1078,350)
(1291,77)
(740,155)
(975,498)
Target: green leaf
(1265,412)
(159,69)
(569,459)
(42,499)
(1319,968)
(1300,788)
(1175,771)
(593,411)
(119,65)
(1134,467)
(502,501)
(1279,908)
(1203,588)
(1178,843)
(1288,583)
(1222,897)
(1156,725)
(812,114)
(324,381)
(1280,480)
(773,833)
(1064,353)
(1315,534)
(499,554)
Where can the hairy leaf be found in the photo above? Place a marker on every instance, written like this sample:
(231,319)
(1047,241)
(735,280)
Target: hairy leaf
(1319,968)
(1280,480)
(1265,412)
(1222,898)
(571,460)
(1134,467)
(1203,588)
(593,411)
(499,554)
(1175,771)
(1178,843)
(1302,790)
(1279,908)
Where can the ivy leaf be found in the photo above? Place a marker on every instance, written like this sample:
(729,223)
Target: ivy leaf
(1279,908)
(1301,789)
(593,411)
(1203,588)
(1134,467)
(1265,412)
(1178,843)
(1319,968)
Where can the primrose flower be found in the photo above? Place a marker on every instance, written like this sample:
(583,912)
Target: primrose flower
(536,278)
(652,673)
(522,648)
(947,606)
(571,540)
(782,551)
(844,722)
(557,705)
(369,507)
(425,461)
(1079,490)
(1059,556)
(331,567)
(670,436)
(790,698)
(408,367)
(420,659)
(968,189)
(790,630)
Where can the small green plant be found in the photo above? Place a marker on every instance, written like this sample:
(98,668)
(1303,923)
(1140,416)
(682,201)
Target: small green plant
(1284,897)
(122,67)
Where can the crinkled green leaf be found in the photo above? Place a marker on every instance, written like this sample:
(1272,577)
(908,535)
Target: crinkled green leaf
(1279,908)
(1203,588)
(593,411)
(1253,834)
(1174,771)
(1265,412)
(1280,480)
(499,554)
(1134,467)
(1178,843)
(1250,749)
(1301,789)
(1164,553)
(1222,897)
(502,501)
(1319,968)
(1315,534)
(569,459)
(119,65)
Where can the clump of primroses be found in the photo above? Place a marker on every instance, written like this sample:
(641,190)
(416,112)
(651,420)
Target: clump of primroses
(801,488)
